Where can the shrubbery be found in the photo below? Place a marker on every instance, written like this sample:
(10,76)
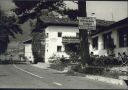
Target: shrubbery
(58,63)
(74,58)
(88,70)
(101,71)
(103,61)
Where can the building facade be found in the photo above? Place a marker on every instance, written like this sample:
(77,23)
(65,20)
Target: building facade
(28,50)
(59,32)
(115,34)
(54,40)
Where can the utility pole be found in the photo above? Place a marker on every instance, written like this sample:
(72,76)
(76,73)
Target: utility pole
(83,33)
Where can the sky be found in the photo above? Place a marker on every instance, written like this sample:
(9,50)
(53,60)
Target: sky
(106,10)
(112,10)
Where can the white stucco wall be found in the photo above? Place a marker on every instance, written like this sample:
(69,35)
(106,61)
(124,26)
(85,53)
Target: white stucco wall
(100,51)
(28,52)
(53,40)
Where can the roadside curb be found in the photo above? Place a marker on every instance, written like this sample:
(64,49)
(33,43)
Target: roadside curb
(120,82)
(107,80)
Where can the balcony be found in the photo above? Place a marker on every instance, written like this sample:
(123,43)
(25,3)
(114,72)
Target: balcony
(67,40)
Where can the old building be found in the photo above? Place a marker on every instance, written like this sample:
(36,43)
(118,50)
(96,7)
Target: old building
(28,50)
(114,37)
(58,33)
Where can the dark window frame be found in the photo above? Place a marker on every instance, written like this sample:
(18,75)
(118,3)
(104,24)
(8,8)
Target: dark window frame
(123,38)
(59,34)
(77,35)
(47,35)
(95,42)
(59,48)
(106,39)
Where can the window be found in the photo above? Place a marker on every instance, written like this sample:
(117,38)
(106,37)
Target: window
(95,42)
(77,35)
(107,40)
(59,34)
(59,48)
(123,38)
(47,35)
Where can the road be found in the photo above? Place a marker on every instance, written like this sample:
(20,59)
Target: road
(27,76)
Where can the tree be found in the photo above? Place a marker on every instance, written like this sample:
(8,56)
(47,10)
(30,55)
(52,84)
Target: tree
(38,36)
(8,27)
(72,14)
(33,9)
(84,45)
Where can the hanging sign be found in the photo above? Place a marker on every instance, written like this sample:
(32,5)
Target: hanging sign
(88,23)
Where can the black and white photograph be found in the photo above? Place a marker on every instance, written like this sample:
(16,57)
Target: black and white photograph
(63,44)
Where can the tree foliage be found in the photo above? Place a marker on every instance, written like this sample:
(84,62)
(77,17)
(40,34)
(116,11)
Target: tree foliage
(37,47)
(72,14)
(32,9)
(73,49)
(8,27)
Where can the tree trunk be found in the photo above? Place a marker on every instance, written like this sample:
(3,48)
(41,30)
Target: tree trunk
(84,46)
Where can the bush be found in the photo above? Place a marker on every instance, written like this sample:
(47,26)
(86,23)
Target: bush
(103,61)
(74,57)
(58,63)
(94,70)
(76,67)
(88,70)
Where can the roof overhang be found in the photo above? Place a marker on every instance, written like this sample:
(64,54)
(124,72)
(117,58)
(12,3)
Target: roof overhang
(29,41)
(48,21)
(120,25)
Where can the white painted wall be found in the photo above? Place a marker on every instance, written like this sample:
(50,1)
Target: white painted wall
(100,51)
(28,52)
(53,40)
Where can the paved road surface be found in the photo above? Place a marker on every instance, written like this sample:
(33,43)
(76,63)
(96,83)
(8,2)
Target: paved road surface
(27,76)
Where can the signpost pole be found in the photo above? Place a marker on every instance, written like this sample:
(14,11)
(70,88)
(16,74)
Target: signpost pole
(83,33)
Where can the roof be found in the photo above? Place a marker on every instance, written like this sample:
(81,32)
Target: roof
(58,21)
(68,22)
(29,41)
(119,24)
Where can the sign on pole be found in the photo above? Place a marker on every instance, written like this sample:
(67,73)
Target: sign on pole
(88,23)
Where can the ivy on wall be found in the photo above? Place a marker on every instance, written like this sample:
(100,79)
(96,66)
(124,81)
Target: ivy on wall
(38,46)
